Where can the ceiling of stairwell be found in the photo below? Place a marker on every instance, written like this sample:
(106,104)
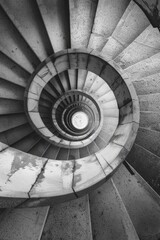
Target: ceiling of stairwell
(63,59)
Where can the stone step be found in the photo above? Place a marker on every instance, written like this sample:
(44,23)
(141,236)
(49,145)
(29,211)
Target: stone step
(10,90)
(70,220)
(149,102)
(14,46)
(11,121)
(101,31)
(150,120)
(147,85)
(12,72)
(26,223)
(56,19)
(144,46)
(16,134)
(27,143)
(51,152)
(132,23)
(146,164)
(145,68)
(142,208)
(109,216)
(149,139)
(73,74)
(27,19)
(82,14)
(11,106)
(40,148)
(82,74)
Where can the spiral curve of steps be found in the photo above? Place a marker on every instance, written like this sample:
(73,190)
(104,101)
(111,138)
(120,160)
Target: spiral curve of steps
(79,96)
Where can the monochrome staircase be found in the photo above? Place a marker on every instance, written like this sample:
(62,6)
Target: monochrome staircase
(79,121)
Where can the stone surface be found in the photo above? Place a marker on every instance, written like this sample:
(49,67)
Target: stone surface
(55,180)
(149,139)
(29,23)
(10,90)
(144,68)
(19,172)
(148,85)
(9,122)
(149,102)
(131,24)
(90,78)
(82,15)
(87,172)
(12,72)
(69,220)
(142,208)
(101,31)
(136,159)
(110,219)
(150,120)
(144,46)
(20,224)
(56,20)
(13,45)
(27,142)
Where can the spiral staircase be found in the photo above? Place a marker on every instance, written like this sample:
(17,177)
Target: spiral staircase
(79,120)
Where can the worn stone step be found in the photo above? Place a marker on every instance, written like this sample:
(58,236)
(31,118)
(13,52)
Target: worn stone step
(14,46)
(132,23)
(101,31)
(70,220)
(11,121)
(12,72)
(40,148)
(11,106)
(144,68)
(143,210)
(16,134)
(26,143)
(149,102)
(109,216)
(27,19)
(144,46)
(147,85)
(52,152)
(56,19)
(82,15)
(23,224)
(148,168)
(10,90)
(149,139)
(150,120)
(81,78)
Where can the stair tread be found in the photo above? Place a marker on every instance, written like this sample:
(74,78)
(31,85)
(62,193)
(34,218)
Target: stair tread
(56,20)
(142,208)
(25,223)
(101,31)
(82,15)
(136,159)
(70,220)
(109,216)
(13,45)
(144,46)
(124,33)
(149,140)
(150,120)
(29,23)
(12,72)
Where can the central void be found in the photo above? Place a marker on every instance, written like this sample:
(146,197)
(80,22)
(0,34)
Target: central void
(80,120)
